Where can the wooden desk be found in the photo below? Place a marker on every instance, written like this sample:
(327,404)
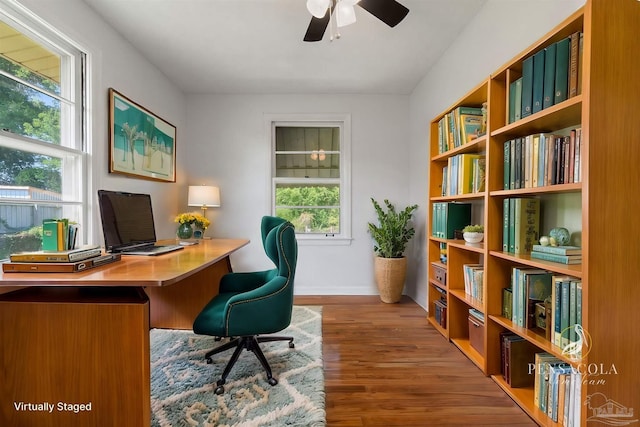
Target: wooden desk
(83,338)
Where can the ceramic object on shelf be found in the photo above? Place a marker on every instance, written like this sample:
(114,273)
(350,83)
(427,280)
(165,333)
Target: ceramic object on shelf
(560,235)
(473,237)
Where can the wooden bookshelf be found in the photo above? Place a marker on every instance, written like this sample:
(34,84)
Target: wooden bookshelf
(606,108)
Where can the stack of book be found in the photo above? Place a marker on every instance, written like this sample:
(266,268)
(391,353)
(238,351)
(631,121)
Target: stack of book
(69,261)
(561,254)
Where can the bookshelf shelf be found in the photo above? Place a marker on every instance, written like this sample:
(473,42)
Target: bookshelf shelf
(459,197)
(467,299)
(465,345)
(473,247)
(602,105)
(570,270)
(574,187)
(438,285)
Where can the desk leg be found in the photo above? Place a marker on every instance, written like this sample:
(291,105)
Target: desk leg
(84,353)
(176,306)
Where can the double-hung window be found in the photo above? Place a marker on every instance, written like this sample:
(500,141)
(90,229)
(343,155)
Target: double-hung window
(42,132)
(310,175)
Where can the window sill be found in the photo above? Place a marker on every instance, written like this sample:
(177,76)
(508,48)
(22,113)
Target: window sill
(323,241)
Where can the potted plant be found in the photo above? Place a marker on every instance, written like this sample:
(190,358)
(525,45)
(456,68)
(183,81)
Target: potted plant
(473,233)
(391,235)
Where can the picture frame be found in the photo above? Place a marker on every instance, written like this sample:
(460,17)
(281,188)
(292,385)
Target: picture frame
(141,144)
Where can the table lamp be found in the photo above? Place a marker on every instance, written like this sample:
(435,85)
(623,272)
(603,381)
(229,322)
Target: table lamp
(204,196)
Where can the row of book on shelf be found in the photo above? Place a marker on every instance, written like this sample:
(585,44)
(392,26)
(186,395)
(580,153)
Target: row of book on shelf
(473,277)
(548,303)
(557,387)
(521,231)
(440,306)
(461,126)
(549,76)
(542,159)
(464,174)
(449,217)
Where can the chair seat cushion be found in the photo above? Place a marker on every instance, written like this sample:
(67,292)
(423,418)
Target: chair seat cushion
(211,320)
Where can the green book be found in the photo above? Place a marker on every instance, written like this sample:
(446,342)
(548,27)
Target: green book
(512,224)
(538,79)
(512,102)
(561,81)
(518,100)
(507,303)
(50,235)
(549,76)
(507,165)
(527,224)
(564,313)
(527,86)
(558,250)
(455,217)
(505,224)
(562,259)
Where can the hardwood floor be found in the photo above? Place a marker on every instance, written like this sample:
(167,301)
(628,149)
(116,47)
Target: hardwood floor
(386,366)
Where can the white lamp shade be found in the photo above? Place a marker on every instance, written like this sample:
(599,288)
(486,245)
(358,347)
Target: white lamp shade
(345,14)
(318,8)
(204,195)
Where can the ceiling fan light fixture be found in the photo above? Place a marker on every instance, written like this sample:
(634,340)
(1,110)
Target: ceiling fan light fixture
(318,8)
(345,13)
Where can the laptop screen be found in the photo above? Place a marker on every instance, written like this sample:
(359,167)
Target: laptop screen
(127,220)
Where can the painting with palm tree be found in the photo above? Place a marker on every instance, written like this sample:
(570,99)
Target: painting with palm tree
(141,143)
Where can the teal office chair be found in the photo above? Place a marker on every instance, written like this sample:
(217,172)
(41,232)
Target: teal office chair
(254,303)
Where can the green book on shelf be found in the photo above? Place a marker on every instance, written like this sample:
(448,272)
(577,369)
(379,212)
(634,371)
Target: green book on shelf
(548,86)
(505,224)
(562,259)
(506,172)
(558,250)
(518,100)
(527,86)
(526,224)
(562,70)
(538,79)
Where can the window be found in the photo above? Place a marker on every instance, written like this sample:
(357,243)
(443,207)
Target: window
(310,176)
(42,138)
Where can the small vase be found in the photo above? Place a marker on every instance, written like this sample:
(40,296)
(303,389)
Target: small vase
(185,231)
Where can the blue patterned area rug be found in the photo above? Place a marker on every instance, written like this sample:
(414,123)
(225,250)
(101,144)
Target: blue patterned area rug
(182,383)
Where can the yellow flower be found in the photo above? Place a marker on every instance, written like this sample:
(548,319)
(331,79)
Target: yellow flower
(185,218)
(193,218)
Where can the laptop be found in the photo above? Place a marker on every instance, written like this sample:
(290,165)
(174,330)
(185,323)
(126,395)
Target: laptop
(127,224)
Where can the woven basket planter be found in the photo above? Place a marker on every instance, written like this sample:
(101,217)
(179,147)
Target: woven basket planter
(390,274)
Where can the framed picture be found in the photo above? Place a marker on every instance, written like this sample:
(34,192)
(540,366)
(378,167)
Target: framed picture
(141,144)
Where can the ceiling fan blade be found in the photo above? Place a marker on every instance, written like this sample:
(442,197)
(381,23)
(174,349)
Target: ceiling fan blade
(388,11)
(316,28)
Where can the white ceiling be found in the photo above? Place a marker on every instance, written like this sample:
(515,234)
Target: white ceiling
(255,46)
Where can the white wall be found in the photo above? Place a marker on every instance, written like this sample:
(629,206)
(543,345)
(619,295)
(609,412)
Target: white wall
(115,63)
(500,31)
(229,146)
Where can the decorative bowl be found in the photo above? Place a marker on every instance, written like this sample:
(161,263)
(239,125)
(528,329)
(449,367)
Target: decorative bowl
(473,237)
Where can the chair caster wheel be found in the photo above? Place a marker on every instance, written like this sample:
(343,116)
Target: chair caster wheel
(219,390)
(273,381)
(292,345)
(209,361)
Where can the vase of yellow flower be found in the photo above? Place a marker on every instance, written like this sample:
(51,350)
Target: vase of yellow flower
(187,221)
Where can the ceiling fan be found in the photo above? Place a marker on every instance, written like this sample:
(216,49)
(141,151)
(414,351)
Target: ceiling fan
(388,11)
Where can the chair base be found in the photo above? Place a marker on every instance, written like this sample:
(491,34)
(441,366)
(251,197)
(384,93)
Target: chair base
(249,343)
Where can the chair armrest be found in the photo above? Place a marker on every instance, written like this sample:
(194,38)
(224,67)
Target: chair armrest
(244,282)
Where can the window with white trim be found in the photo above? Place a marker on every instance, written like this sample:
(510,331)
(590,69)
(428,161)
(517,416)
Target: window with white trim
(42,130)
(310,176)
